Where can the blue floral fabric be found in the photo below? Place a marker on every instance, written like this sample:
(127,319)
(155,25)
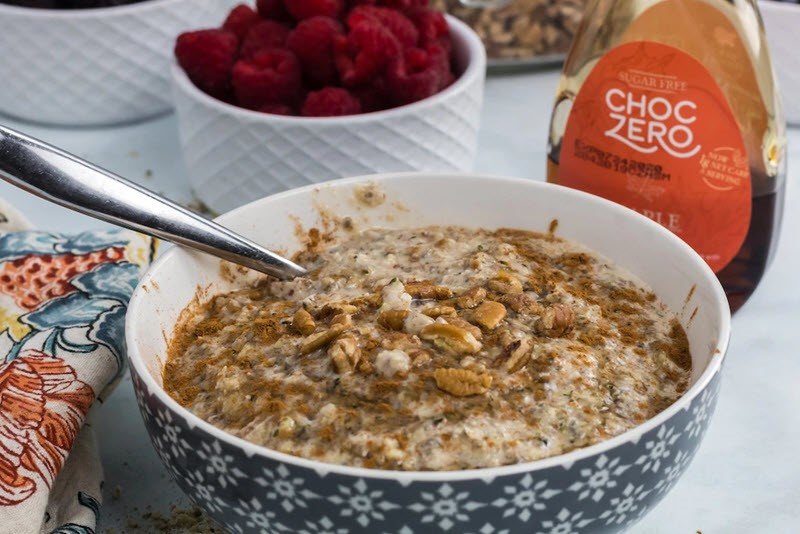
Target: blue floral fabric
(62,312)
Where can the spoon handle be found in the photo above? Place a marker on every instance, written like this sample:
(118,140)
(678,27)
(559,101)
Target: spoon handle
(64,179)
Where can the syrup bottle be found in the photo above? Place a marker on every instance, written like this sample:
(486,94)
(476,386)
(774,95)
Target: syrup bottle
(670,108)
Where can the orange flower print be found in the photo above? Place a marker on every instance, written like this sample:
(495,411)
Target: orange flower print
(33,280)
(42,407)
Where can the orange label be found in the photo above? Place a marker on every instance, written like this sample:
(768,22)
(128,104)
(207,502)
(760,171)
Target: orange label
(651,129)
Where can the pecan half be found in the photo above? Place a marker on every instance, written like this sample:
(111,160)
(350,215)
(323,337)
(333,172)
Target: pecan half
(451,338)
(556,321)
(462,382)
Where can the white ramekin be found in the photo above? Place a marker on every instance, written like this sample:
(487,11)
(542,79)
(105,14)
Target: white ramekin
(94,66)
(235,155)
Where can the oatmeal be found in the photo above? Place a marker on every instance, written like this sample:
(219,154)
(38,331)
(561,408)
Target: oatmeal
(434,348)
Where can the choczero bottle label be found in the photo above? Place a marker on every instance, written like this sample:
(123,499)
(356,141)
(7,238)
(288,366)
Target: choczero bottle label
(651,129)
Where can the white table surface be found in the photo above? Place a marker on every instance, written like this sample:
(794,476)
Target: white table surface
(746,476)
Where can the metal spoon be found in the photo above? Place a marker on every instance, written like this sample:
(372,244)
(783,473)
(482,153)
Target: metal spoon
(64,179)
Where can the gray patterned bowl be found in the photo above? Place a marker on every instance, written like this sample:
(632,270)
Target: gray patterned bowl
(602,488)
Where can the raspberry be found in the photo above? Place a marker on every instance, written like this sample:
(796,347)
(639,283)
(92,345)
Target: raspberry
(331,102)
(432,27)
(364,53)
(207,56)
(413,78)
(276,109)
(312,43)
(441,58)
(373,96)
(272,9)
(264,35)
(394,21)
(240,20)
(305,9)
(271,77)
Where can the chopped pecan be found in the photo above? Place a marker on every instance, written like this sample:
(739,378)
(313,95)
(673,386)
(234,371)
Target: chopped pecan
(451,338)
(286,427)
(419,357)
(471,297)
(505,283)
(517,354)
(521,303)
(393,319)
(321,339)
(336,308)
(489,314)
(344,354)
(415,322)
(462,382)
(438,311)
(365,366)
(543,281)
(466,325)
(392,362)
(342,319)
(303,322)
(426,289)
(399,340)
(370,300)
(556,321)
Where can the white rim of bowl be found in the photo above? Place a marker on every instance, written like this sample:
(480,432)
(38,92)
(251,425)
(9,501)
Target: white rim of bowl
(93,12)
(476,55)
(488,473)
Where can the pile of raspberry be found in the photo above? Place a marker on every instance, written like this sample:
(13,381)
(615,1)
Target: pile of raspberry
(321,58)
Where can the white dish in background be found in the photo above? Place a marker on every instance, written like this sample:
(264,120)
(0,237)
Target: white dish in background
(675,272)
(782,22)
(94,66)
(235,155)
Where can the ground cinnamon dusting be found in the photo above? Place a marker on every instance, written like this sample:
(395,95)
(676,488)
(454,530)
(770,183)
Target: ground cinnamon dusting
(566,350)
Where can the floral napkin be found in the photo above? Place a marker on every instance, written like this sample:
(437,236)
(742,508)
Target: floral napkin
(62,313)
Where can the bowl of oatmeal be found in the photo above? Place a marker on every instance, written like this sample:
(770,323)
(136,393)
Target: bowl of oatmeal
(467,354)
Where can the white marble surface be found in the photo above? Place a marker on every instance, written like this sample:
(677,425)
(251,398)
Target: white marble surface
(746,477)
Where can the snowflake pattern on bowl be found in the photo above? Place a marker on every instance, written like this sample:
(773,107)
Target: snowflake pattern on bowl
(605,492)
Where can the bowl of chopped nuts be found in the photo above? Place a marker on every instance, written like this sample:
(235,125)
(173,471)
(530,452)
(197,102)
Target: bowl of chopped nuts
(520,34)
(105,64)
(529,358)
